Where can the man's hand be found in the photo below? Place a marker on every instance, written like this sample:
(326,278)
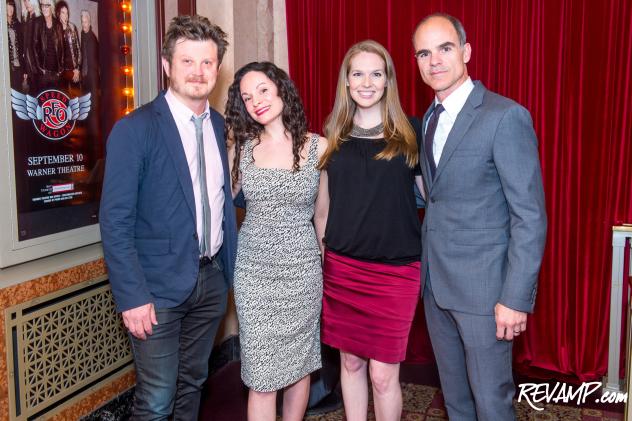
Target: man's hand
(75,75)
(139,320)
(509,323)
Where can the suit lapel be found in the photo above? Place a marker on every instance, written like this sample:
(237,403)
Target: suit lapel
(461,125)
(171,137)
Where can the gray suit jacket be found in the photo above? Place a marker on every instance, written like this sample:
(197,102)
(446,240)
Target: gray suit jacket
(485,225)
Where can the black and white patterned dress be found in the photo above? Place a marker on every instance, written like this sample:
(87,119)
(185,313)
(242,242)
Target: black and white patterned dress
(278,278)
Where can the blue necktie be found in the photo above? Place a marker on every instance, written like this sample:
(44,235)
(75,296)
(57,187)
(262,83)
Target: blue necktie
(205,241)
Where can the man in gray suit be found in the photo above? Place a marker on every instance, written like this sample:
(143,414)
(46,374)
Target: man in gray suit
(485,226)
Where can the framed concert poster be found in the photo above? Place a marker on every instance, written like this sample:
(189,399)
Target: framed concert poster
(69,77)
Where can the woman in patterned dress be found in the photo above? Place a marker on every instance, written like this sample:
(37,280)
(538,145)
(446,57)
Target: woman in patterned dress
(278,278)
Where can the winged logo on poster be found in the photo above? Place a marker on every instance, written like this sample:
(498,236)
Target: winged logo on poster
(53,113)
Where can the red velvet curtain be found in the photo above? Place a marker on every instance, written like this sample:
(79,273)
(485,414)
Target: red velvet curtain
(570,63)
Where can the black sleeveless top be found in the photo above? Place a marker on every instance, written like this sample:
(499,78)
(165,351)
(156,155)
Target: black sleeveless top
(372,211)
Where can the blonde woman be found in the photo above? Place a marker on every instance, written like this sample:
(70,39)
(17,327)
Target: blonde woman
(371,266)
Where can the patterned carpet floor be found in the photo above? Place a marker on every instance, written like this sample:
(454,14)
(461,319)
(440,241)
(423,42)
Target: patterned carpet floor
(425,403)
(225,399)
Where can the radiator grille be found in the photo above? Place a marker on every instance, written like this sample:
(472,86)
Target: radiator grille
(62,344)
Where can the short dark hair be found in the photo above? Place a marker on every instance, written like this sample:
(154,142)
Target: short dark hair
(458,26)
(194,28)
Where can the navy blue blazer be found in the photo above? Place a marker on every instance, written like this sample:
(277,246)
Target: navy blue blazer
(147,214)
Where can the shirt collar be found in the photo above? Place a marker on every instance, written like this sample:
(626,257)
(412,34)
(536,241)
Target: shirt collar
(181,112)
(456,100)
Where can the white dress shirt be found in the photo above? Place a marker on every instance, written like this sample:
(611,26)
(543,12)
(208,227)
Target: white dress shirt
(214,171)
(453,105)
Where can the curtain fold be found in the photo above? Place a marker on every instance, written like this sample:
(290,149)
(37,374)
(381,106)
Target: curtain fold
(570,63)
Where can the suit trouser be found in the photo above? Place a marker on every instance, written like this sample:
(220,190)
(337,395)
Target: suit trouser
(474,367)
(172,363)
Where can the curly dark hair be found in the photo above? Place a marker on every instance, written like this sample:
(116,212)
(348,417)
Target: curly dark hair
(240,127)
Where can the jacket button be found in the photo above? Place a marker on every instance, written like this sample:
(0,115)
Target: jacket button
(432,200)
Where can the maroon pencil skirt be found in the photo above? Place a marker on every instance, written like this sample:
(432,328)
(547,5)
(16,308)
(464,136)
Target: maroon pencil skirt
(368,307)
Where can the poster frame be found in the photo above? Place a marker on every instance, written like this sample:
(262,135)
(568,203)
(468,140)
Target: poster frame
(12,250)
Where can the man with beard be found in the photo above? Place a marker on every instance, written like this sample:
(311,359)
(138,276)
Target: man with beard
(168,224)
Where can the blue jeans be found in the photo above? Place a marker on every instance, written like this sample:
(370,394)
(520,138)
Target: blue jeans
(172,363)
